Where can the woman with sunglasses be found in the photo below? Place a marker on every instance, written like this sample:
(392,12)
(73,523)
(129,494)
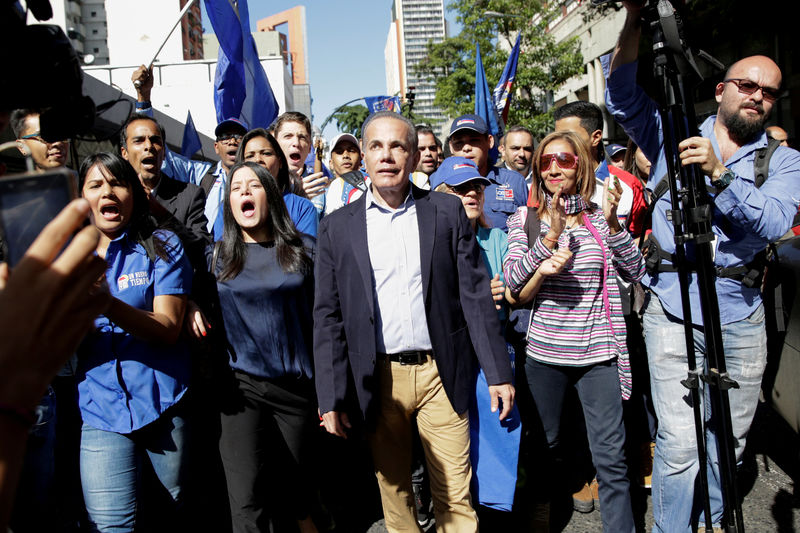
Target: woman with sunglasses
(576,336)
(260,147)
(494,445)
(133,370)
(265,282)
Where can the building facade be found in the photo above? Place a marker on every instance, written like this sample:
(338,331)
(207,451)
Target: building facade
(414,24)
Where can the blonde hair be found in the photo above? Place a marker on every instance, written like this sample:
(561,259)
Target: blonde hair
(445,188)
(585,173)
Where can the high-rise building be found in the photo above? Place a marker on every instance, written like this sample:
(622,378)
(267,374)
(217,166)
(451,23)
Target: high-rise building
(415,23)
(122,32)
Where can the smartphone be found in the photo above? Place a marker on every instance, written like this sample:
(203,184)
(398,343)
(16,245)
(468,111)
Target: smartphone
(27,203)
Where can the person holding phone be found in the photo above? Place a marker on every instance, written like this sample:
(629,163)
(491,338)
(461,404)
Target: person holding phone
(133,371)
(264,272)
(576,335)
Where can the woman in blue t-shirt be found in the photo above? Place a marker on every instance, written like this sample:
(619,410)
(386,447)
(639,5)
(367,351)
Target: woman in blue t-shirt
(265,282)
(259,146)
(132,370)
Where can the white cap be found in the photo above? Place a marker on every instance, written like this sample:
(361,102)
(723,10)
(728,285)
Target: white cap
(344,137)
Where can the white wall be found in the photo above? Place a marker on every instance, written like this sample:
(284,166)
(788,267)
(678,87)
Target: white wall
(189,85)
(137,29)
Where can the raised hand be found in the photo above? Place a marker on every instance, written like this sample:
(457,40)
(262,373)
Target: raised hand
(611,197)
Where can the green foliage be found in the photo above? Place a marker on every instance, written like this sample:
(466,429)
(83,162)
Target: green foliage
(543,67)
(350,118)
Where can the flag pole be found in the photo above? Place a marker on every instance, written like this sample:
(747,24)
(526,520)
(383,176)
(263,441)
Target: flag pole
(185,9)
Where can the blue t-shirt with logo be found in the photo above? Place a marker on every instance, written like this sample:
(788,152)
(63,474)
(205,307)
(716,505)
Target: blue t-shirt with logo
(502,198)
(124,382)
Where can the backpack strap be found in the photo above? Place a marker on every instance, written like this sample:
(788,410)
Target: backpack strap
(532,227)
(761,162)
(208,180)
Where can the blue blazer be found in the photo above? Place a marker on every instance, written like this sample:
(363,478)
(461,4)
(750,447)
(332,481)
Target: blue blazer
(461,317)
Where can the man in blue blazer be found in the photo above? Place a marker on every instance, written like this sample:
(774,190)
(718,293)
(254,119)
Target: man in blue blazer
(402,309)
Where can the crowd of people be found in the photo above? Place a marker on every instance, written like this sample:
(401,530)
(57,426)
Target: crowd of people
(224,343)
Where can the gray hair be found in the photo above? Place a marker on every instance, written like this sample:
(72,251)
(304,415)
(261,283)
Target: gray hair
(411,135)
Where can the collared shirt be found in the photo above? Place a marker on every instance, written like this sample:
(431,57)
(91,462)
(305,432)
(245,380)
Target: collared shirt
(625,202)
(124,382)
(506,193)
(215,200)
(394,253)
(746,217)
(528,178)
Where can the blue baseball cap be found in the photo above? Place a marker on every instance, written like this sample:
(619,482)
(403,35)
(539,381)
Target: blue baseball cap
(455,171)
(614,149)
(235,122)
(469,122)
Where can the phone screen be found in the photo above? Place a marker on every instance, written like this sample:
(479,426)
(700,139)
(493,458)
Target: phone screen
(27,203)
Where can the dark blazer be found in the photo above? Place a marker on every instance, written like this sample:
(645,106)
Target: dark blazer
(186,203)
(458,304)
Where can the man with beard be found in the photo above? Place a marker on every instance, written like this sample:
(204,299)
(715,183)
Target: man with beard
(428,156)
(516,148)
(746,218)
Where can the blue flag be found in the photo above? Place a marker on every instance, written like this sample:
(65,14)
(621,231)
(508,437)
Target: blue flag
(502,92)
(241,88)
(191,140)
(484,107)
(382,103)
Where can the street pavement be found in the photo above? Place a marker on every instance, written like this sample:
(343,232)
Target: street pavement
(771,501)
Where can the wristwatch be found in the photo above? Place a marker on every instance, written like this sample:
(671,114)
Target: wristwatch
(724,180)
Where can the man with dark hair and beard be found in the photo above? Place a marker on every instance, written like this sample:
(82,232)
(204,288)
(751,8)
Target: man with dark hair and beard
(746,218)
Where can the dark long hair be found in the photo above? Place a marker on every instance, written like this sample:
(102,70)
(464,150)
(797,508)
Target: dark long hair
(283,174)
(289,246)
(142,226)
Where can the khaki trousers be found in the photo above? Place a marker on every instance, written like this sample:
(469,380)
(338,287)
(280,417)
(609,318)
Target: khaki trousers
(406,390)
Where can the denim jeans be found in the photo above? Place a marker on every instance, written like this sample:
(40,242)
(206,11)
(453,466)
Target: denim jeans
(111,464)
(33,505)
(599,393)
(675,465)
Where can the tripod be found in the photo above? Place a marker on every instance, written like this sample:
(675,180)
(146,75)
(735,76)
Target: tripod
(690,214)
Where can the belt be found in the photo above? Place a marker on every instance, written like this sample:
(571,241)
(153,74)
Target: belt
(406,358)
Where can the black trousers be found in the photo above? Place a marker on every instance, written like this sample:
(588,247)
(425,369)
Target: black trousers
(267,427)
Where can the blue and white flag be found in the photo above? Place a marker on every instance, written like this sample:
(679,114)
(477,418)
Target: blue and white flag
(502,92)
(484,107)
(382,103)
(241,88)
(191,140)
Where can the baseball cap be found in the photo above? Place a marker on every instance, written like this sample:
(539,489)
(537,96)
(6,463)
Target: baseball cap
(614,149)
(344,137)
(230,122)
(469,122)
(455,171)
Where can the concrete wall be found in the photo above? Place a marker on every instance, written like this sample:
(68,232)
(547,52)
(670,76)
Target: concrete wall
(189,85)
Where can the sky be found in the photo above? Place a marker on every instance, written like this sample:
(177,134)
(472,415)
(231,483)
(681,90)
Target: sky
(345,40)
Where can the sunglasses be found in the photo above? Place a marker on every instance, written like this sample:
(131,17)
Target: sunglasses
(564,160)
(466,188)
(230,137)
(748,87)
(38,137)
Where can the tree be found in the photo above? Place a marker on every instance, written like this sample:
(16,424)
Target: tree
(350,118)
(544,65)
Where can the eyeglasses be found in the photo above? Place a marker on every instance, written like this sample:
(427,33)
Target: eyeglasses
(466,188)
(38,137)
(230,137)
(564,160)
(770,94)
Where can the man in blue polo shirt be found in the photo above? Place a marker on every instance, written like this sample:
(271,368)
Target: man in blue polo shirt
(746,217)
(470,138)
